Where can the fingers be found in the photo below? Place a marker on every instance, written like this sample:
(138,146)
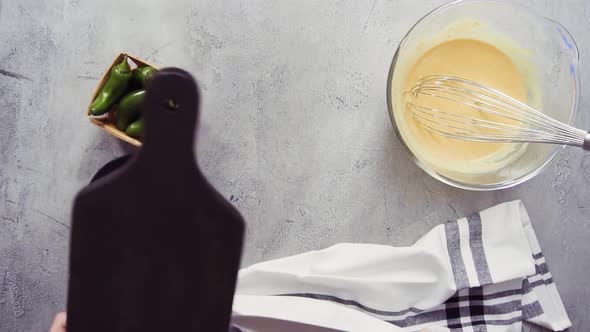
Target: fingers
(59,323)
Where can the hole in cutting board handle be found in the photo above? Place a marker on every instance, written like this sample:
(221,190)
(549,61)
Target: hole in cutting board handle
(172,105)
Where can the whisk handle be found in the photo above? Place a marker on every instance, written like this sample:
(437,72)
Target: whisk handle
(586,145)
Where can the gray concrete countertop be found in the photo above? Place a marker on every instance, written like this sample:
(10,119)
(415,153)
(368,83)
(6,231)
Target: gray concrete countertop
(294,132)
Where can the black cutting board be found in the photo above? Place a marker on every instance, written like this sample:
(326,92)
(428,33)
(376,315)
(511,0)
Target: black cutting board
(154,247)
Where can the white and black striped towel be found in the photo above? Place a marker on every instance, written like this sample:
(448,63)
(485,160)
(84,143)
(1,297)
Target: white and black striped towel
(481,273)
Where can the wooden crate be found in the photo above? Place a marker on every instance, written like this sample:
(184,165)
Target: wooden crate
(108,123)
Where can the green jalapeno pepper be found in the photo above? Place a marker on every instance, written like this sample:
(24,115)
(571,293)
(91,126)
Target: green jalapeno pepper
(113,89)
(135,129)
(141,76)
(129,109)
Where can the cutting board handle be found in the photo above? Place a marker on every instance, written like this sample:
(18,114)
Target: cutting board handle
(171,112)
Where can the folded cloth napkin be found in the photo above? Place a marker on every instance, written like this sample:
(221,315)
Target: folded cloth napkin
(485,272)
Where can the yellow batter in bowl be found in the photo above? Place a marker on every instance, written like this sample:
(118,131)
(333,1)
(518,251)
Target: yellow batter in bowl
(470,59)
(470,50)
(525,55)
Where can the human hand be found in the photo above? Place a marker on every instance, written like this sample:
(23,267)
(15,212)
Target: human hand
(59,323)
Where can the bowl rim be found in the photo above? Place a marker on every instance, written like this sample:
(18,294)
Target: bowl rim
(493,186)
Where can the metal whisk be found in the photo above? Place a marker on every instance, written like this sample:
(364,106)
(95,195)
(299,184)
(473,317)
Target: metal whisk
(493,116)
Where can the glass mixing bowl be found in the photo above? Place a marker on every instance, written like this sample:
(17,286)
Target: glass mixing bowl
(547,56)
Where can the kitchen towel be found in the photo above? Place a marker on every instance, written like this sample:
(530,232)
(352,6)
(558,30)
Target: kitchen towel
(485,272)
